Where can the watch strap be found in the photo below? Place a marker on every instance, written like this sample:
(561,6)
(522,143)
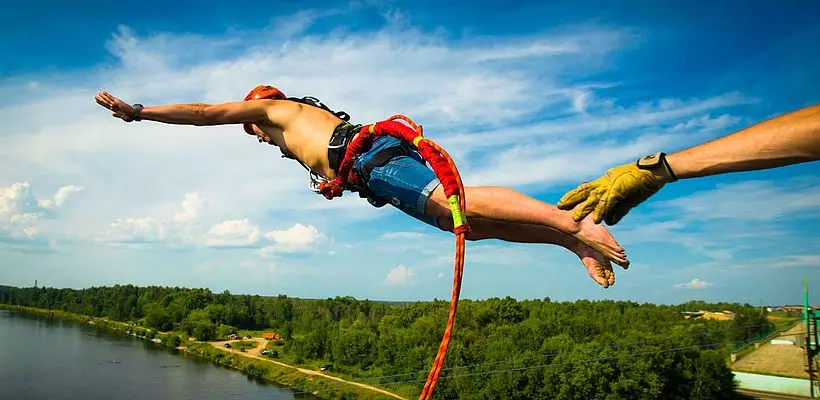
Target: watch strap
(137,111)
(655,160)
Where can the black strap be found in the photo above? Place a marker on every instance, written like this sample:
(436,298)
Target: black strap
(383,157)
(137,112)
(310,100)
(339,140)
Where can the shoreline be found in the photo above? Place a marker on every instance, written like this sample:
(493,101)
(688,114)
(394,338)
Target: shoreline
(288,376)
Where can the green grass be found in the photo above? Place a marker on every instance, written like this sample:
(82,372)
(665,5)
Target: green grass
(244,344)
(278,345)
(784,325)
(256,334)
(784,314)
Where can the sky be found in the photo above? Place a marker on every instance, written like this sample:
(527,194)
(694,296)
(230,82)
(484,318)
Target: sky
(536,96)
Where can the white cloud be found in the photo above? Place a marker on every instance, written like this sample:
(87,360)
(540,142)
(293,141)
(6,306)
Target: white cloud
(64,192)
(192,206)
(22,213)
(579,100)
(676,232)
(748,200)
(184,228)
(19,199)
(137,230)
(176,230)
(403,235)
(707,122)
(694,284)
(795,261)
(232,233)
(299,237)
(400,276)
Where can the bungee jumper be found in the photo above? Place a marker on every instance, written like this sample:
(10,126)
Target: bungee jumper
(386,162)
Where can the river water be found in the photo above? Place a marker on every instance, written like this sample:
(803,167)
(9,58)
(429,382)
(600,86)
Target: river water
(42,358)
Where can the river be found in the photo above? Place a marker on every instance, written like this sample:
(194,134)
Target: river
(42,358)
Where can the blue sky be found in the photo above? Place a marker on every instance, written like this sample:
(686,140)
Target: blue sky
(538,97)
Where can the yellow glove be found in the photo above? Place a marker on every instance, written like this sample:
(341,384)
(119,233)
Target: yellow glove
(619,190)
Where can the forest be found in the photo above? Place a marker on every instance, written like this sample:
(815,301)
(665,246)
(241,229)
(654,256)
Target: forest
(501,347)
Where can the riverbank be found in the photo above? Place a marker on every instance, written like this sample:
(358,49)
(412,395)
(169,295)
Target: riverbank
(303,381)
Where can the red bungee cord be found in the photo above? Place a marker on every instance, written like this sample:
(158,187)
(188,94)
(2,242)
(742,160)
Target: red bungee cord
(446,171)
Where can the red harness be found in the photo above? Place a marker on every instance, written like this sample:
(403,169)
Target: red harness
(446,171)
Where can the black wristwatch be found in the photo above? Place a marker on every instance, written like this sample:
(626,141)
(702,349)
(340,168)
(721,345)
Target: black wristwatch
(137,111)
(655,161)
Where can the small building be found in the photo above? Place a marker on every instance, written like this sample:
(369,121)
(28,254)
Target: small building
(271,336)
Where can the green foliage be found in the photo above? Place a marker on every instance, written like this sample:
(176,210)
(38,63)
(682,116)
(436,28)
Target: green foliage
(503,348)
(171,340)
(244,345)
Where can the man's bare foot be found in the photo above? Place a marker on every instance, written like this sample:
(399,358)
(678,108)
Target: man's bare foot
(598,267)
(598,237)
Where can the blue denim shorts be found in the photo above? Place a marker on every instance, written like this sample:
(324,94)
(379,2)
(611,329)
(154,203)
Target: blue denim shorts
(405,182)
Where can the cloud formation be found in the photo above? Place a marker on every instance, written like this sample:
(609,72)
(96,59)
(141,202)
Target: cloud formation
(400,276)
(22,214)
(694,284)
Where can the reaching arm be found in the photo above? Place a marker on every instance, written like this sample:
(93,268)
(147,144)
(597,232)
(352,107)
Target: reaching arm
(206,114)
(193,113)
(784,140)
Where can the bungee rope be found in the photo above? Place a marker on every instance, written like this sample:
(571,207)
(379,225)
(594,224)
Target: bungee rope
(445,169)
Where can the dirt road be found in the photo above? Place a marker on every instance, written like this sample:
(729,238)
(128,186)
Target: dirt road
(256,353)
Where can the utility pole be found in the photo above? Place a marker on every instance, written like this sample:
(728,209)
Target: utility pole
(810,320)
(812,354)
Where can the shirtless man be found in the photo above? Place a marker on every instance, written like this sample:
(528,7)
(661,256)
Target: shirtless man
(311,135)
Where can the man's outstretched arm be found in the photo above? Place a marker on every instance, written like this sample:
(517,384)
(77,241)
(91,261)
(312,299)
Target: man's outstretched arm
(787,139)
(198,114)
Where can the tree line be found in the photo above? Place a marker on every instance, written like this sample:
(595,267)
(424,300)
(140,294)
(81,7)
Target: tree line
(501,347)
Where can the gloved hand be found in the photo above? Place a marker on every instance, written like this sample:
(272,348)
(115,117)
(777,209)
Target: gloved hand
(619,190)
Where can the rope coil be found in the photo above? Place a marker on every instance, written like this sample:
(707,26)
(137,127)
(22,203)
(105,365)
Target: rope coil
(445,169)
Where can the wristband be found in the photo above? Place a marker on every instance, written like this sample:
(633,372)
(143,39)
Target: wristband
(137,111)
(657,160)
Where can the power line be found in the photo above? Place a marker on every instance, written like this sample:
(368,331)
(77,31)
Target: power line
(449,376)
(615,346)
(336,385)
(304,390)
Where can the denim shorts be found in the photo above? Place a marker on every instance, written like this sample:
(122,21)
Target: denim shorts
(405,182)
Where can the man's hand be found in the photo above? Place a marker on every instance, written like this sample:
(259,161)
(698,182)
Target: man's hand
(119,108)
(614,194)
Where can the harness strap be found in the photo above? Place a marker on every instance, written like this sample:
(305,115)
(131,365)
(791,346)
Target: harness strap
(338,143)
(381,158)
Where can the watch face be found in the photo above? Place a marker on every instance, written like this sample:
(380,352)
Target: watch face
(650,161)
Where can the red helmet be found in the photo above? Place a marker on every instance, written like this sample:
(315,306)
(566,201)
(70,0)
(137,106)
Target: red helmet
(262,92)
